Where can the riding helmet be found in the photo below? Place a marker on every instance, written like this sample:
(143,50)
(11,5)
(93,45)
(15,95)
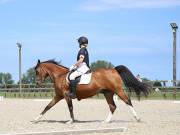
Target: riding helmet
(82,40)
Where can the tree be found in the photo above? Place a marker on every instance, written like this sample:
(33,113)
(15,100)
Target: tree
(30,77)
(157,84)
(178,84)
(6,78)
(147,81)
(101,64)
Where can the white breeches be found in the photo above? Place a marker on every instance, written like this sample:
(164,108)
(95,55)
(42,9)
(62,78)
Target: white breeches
(82,69)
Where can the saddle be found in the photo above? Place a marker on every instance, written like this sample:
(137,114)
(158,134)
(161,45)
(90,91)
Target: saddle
(83,79)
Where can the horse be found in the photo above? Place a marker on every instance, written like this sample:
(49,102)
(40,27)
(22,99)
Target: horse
(106,81)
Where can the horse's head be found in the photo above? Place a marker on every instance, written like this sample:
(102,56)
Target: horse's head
(41,73)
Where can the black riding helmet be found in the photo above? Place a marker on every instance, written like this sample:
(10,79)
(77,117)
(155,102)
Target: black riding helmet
(82,40)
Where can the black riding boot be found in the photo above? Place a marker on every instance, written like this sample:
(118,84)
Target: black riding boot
(73,84)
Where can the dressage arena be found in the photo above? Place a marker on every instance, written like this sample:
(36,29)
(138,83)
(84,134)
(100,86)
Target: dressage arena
(158,117)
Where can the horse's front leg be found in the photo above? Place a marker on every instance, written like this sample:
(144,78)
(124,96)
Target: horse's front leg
(56,99)
(70,106)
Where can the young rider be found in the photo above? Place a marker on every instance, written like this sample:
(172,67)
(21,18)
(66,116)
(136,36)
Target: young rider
(80,67)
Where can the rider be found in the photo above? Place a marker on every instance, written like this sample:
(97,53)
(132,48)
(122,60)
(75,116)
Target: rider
(80,67)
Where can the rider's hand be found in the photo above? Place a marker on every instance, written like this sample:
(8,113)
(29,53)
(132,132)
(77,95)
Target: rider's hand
(72,67)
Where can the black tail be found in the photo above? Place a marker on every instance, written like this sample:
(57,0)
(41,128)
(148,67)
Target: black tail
(131,82)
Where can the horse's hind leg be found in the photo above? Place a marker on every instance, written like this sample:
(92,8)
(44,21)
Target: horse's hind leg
(109,98)
(127,100)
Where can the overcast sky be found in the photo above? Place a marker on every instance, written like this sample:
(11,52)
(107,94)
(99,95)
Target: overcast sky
(134,33)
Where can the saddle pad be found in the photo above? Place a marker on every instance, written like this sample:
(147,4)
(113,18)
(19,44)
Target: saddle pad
(85,78)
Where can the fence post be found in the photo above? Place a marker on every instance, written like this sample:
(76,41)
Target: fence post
(174,91)
(164,85)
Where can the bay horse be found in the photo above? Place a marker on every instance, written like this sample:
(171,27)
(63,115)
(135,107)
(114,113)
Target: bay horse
(106,81)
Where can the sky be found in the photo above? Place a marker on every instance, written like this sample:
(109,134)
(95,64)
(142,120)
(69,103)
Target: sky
(134,33)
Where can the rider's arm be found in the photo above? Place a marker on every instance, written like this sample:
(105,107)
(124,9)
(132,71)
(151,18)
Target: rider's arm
(81,58)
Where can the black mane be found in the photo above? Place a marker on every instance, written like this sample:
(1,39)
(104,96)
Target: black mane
(53,62)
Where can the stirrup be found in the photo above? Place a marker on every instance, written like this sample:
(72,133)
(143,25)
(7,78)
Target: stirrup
(73,96)
(70,95)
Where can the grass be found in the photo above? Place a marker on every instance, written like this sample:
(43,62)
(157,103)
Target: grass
(27,94)
(32,95)
(152,96)
(161,95)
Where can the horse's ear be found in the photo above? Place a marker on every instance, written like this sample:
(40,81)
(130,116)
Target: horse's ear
(39,61)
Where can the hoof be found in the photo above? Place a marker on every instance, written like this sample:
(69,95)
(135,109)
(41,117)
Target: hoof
(105,121)
(138,119)
(37,118)
(70,122)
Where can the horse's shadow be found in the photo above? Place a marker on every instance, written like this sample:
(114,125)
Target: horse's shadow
(65,121)
(82,121)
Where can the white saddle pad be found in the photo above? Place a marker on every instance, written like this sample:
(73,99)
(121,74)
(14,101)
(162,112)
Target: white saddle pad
(85,78)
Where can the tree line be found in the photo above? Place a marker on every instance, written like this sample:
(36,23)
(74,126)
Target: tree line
(29,76)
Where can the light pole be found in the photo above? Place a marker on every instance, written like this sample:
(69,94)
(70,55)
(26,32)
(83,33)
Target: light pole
(20,65)
(174,29)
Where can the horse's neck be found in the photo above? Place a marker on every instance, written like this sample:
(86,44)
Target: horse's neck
(55,71)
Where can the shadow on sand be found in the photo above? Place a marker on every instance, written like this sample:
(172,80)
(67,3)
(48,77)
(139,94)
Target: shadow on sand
(83,121)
